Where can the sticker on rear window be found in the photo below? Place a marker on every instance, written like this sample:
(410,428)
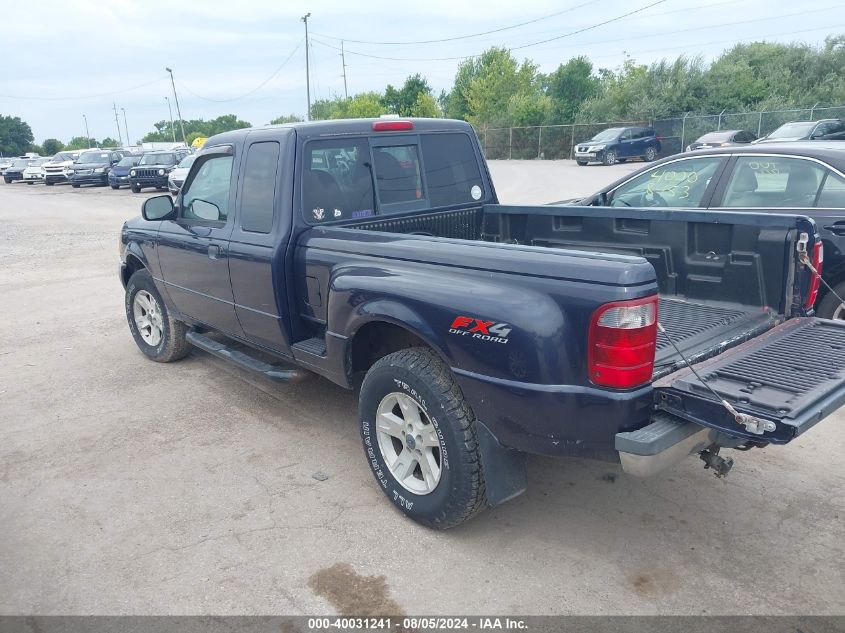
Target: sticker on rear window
(475,192)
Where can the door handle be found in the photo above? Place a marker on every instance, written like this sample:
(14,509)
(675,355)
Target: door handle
(836,229)
(214,251)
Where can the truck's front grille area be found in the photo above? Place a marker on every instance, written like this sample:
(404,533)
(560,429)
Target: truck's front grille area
(146,173)
(684,320)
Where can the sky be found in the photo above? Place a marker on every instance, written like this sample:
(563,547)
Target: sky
(73,57)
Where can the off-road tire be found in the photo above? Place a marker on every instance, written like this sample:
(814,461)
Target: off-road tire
(135,189)
(610,157)
(173,344)
(421,375)
(829,307)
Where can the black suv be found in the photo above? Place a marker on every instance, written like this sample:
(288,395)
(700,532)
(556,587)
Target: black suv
(93,167)
(618,144)
(153,170)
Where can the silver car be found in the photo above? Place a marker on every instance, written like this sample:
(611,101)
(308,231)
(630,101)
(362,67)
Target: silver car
(178,175)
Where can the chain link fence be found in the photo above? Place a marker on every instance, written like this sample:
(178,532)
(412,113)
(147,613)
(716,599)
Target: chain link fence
(552,142)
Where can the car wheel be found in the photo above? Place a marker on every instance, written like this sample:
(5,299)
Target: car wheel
(48,183)
(135,189)
(30,182)
(115,187)
(581,163)
(610,157)
(8,181)
(650,154)
(158,335)
(74,185)
(420,440)
(830,307)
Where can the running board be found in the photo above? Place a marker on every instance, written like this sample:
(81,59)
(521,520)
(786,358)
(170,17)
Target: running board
(277,373)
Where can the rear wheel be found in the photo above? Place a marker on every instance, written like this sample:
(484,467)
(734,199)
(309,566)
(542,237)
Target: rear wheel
(830,307)
(651,154)
(158,335)
(420,440)
(610,157)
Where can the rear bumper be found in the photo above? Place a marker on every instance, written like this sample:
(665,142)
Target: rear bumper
(661,444)
(555,420)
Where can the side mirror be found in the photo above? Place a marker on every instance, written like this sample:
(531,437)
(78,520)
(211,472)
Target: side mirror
(203,210)
(157,208)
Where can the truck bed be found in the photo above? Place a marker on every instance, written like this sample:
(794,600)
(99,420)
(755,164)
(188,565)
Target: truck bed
(721,279)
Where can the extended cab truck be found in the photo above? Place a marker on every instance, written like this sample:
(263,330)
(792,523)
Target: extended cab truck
(374,253)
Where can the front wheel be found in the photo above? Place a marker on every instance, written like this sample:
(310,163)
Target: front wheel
(581,163)
(135,188)
(420,440)
(158,335)
(74,185)
(610,157)
(651,154)
(115,187)
(830,307)
(49,183)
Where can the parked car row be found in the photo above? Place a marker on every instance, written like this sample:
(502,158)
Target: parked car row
(161,169)
(618,144)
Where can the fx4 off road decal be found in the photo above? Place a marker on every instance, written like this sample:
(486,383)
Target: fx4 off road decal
(481,329)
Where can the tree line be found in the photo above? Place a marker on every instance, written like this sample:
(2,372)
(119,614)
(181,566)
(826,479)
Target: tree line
(496,89)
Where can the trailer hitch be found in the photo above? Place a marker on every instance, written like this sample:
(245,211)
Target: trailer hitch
(721,465)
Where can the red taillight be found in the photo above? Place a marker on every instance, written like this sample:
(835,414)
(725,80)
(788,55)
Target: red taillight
(818,261)
(621,343)
(389,126)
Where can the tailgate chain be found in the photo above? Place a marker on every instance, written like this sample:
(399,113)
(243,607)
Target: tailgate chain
(752,424)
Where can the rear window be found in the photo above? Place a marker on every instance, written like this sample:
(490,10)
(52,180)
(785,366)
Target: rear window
(451,169)
(426,171)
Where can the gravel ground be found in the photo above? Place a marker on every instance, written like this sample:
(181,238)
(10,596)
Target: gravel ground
(129,487)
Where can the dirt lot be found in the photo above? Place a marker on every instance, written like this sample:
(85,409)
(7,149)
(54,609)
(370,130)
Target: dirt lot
(132,487)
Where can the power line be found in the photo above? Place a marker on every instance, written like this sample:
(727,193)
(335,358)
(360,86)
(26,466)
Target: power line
(512,48)
(257,88)
(95,96)
(461,37)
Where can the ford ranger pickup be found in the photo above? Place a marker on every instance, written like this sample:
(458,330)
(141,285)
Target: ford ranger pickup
(374,253)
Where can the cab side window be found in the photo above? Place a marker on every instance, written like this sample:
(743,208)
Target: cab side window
(772,181)
(207,196)
(678,184)
(832,195)
(259,189)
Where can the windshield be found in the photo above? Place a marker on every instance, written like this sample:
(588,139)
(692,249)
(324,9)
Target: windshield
(20,164)
(94,157)
(608,134)
(38,162)
(128,161)
(158,159)
(187,161)
(715,137)
(61,157)
(791,130)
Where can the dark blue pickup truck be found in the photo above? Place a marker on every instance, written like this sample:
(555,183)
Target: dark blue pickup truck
(374,253)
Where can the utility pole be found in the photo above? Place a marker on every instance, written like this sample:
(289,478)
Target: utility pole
(126,128)
(172,125)
(307,68)
(87,133)
(343,61)
(178,111)
(117,122)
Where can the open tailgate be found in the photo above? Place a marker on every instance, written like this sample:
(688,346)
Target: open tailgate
(793,375)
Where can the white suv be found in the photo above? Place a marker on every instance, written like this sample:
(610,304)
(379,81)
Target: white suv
(55,169)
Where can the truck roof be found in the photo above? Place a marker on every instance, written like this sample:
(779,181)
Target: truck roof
(336,127)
